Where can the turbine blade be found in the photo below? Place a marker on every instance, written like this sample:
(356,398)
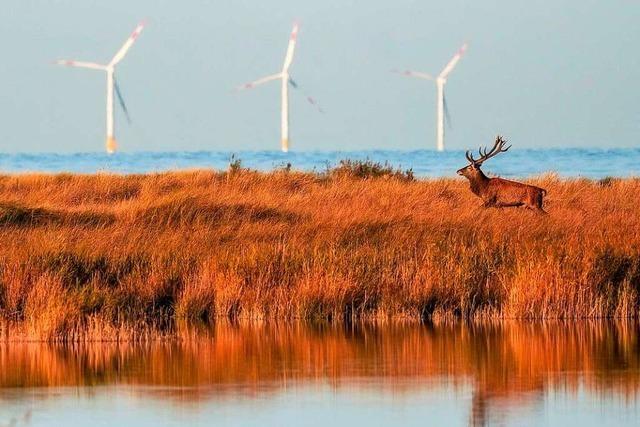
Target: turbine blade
(127,45)
(447,117)
(121,100)
(311,100)
(255,83)
(417,74)
(80,64)
(290,48)
(452,63)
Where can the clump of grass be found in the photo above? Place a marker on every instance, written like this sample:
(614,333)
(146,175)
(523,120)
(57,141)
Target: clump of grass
(607,181)
(368,169)
(16,215)
(235,165)
(196,300)
(49,309)
(197,246)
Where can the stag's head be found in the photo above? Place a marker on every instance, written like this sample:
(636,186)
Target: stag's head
(473,169)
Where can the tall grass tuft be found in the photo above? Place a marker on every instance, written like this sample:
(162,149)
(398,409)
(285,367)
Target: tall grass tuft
(368,169)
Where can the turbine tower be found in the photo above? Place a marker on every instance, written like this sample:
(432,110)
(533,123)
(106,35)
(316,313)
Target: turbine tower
(286,80)
(112,84)
(440,80)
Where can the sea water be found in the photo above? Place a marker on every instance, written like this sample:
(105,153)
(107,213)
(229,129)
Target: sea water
(571,162)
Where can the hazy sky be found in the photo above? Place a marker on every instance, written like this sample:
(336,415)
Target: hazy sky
(546,73)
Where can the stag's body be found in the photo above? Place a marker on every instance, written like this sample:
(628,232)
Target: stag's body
(498,192)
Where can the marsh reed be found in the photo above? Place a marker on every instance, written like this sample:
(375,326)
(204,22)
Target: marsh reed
(112,253)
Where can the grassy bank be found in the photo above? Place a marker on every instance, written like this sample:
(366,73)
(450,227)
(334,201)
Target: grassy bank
(110,253)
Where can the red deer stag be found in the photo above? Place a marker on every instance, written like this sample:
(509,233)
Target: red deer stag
(498,192)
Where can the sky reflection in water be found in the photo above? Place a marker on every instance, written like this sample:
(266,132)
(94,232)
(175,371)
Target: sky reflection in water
(510,373)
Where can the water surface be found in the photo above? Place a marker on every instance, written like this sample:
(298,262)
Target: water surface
(571,162)
(513,373)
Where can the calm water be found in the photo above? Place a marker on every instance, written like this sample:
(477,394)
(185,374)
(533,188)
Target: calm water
(584,374)
(591,163)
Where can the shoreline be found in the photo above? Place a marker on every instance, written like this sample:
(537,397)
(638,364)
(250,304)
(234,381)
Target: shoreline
(186,331)
(359,241)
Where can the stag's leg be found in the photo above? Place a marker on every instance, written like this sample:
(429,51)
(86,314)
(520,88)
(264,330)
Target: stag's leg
(538,203)
(534,206)
(489,203)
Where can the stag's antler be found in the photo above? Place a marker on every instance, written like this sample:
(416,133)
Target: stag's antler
(498,147)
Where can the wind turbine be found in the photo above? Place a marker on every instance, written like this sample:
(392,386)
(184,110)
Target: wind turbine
(441,104)
(112,84)
(286,80)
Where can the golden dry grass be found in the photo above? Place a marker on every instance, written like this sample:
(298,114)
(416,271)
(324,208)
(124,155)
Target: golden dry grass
(117,251)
